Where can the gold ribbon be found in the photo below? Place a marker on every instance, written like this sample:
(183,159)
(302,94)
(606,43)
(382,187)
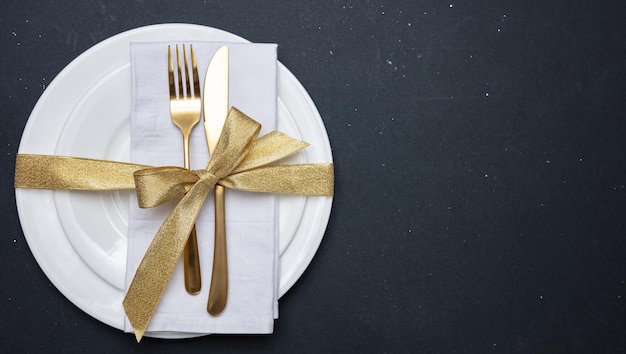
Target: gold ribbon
(241,161)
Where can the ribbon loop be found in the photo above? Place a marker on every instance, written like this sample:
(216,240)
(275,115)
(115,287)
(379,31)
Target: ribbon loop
(159,185)
(238,133)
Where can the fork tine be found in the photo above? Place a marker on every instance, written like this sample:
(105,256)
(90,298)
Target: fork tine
(187,78)
(170,71)
(196,80)
(180,77)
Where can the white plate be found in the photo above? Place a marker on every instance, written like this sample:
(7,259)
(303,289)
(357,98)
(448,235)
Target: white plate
(79,238)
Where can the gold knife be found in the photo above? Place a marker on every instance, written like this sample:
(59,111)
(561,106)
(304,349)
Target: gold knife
(215,112)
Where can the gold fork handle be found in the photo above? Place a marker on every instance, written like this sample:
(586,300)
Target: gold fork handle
(218,292)
(193,281)
(191,258)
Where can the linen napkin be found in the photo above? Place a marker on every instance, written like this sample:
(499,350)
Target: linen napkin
(251,226)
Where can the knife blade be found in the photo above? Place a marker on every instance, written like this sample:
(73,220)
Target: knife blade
(216,96)
(215,107)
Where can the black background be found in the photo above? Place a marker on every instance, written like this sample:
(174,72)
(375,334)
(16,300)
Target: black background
(480,159)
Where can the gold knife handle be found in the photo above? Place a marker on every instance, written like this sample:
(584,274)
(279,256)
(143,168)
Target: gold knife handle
(193,281)
(218,292)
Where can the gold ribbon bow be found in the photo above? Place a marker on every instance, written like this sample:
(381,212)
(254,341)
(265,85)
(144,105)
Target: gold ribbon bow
(241,161)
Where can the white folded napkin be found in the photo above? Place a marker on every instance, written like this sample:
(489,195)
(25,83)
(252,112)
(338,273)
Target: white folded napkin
(251,226)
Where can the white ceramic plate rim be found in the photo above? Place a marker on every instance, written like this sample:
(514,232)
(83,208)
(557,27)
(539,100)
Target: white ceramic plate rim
(36,208)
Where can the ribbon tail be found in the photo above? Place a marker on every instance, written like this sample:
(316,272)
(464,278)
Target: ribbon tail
(73,173)
(157,265)
(306,179)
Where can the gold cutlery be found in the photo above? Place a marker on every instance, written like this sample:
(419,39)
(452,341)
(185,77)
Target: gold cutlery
(185,109)
(215,112)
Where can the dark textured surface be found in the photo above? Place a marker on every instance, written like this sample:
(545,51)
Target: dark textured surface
(480,152)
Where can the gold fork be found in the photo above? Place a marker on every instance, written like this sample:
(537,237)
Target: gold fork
(185,108)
